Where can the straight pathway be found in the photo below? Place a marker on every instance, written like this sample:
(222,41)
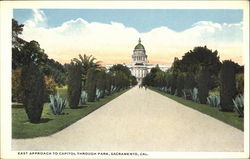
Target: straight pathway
(140,120)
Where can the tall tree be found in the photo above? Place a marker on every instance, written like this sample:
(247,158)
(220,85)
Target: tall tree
(193,60)
(74,85)
(91,84)
(86,62)
(203,85)
(180,84)
(17,30)
(33,85)
(32,53)
(122,68)
(122,76)
(101,82)
(17,43)
(149,79)
(228,85)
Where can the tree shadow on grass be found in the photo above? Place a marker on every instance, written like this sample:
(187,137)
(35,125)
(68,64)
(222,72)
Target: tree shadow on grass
(42,120)
(80,107)
(45,120)
(18,106)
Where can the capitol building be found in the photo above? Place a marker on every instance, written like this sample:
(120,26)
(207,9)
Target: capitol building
(139,66)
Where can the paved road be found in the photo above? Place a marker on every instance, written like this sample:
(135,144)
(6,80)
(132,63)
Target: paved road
(141,120)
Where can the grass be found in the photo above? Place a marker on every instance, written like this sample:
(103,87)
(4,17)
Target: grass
(231,118)
(22,128)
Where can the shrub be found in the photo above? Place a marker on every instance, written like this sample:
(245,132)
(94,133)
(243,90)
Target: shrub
(17,90)
(101,82)
(133,80)
(203,85)
(228,86)
(74,85)
(172,83)
(57,104)
(240,83)
(32,82)
(50,87)
(84,98)
(213,100)
(180,84)
(108,84)
(121,81)
(91,84)
(239,104)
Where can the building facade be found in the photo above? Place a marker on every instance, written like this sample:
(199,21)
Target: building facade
(139,62)
(139,66)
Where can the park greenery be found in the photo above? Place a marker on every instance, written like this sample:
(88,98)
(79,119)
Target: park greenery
(50,123)
(200,77)
(54,96)
(36,79)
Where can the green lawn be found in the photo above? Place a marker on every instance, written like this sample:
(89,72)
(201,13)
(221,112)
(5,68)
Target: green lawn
(230,118)
(22,128)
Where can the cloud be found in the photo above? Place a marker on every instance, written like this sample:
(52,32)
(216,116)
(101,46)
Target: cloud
(38,19)
(114,42)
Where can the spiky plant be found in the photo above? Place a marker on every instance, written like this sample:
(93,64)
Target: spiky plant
(169,90)
(186,94)
(57,104)
(113,89)
(175,92)
(83,98)
(98,94)
(213,100)
(239,104)
(194,95)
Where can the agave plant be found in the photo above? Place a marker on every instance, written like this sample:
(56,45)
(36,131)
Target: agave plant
(213,100)
(57,104)
(106,93)
(239,104)
(165,89)
(194,95)
(175,92)
(186,94)
(113,89)
(168,90)
(98,94)
(84,98)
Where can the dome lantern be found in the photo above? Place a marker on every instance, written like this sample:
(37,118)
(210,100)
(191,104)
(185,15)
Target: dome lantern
(139,45)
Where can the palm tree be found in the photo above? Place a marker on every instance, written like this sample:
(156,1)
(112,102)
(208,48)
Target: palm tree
(86,62)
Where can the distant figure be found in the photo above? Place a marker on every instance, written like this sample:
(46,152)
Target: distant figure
(140,85)
(145,87)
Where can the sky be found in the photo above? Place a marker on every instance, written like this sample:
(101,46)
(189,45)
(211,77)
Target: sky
(110,35)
